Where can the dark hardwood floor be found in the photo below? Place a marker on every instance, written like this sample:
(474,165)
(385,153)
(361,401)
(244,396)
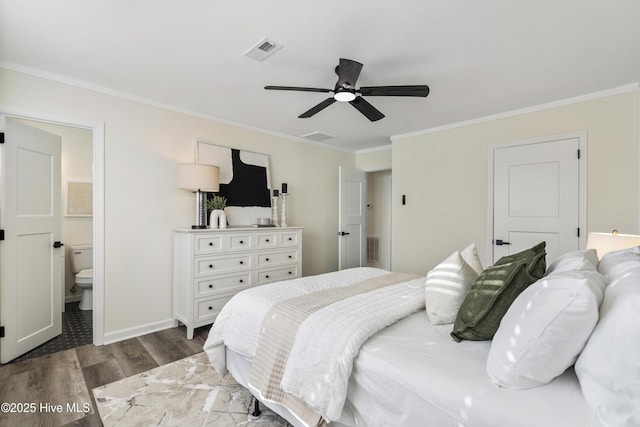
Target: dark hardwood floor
(55,389)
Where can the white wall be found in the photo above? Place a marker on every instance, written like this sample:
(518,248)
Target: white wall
(374,160)
(143,144)
(444,176)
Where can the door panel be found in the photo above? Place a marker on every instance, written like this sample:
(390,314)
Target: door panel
(30,267)
(537,197)
(33,298)
(351,223)
(533,190)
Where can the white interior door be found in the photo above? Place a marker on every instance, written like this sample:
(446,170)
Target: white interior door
(31,259)
(351,223)
(537,197)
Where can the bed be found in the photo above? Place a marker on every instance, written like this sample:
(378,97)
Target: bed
(393,362)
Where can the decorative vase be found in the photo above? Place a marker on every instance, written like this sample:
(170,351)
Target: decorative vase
(218,219)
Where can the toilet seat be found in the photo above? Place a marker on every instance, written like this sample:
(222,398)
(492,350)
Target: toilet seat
(85,277)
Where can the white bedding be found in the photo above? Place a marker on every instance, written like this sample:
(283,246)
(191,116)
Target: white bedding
(414,374)
(317,365)
(411,373)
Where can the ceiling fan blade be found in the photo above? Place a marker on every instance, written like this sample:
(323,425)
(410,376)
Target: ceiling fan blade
(367,109)
(324,104)
(409,90)
(348,72)
(300,89)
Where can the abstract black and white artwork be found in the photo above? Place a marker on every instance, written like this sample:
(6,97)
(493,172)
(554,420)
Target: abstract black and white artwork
(245,181)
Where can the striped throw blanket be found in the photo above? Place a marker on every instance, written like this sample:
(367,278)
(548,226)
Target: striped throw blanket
(304,334)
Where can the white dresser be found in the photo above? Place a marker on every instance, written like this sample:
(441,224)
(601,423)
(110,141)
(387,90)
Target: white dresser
(210,266)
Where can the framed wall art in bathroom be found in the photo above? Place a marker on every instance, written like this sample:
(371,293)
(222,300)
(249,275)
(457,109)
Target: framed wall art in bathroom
(245,181)
(78,198)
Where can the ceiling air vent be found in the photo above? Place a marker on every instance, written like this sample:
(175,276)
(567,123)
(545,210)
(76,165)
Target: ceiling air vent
(263,49)
(317,136)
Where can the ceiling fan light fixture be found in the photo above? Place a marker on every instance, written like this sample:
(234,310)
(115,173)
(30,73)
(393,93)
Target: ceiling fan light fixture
(345,90)
(345,96)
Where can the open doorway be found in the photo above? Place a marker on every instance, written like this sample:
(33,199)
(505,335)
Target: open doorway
(378,219)
(76,231)
(95,131)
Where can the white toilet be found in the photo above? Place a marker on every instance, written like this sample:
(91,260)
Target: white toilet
(82,267)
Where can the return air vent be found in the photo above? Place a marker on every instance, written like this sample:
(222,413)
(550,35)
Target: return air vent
(263,49)
(373,249)
(318,136)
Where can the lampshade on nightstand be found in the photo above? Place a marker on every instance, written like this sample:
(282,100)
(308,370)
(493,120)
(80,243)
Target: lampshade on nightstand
(608,242)
(199,179)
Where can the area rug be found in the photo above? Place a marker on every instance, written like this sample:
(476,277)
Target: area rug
(187,392)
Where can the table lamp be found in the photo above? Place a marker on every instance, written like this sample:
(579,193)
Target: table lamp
(608,242)
(199,179)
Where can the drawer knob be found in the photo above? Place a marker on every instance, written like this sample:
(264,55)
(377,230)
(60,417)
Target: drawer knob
(266,259)
(241,281)
(210,286)
(210,243)
(267,240)
(290,238)
(266,276)
(210,265)
(242,242)
(290,256)
(290,272)
(241,262)
(210,308)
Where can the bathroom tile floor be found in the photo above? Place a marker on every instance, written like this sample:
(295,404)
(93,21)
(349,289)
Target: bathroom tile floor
(77,330)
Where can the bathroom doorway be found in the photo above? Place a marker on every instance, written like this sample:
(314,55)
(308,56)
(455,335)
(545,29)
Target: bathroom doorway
(88,138)
(76,229)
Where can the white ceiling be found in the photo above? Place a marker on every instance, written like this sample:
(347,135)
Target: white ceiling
(479,57)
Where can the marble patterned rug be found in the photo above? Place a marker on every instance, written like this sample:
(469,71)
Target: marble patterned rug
(187,392)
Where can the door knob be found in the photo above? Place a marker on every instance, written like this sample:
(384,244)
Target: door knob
(343,233)
(501,242)
(58,245)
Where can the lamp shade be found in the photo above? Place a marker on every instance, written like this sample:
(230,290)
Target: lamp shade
(198,177)
(608,242)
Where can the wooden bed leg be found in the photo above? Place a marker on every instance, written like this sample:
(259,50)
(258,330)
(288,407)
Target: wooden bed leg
(256,408)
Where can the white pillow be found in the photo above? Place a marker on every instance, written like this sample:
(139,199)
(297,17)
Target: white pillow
(470,255)
(573,261)
(614,265)
(446,286)
(609,366)
(546,327)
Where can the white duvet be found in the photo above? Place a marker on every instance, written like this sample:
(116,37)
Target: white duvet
(321,358)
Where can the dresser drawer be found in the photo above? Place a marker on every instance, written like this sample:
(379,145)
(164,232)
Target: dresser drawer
(208,244)
(223,264)
(240,242)
(267,241)
(284,273)
(277,239)
(289,239)
(267,259)
(208,286)
(208,309)
(222,242)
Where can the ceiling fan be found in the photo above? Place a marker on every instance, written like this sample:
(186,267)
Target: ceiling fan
(345,91)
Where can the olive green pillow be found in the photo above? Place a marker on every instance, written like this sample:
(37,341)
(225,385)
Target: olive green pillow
(493,292)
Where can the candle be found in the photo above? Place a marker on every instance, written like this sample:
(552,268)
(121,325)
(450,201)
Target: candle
(284,188)
(275,193)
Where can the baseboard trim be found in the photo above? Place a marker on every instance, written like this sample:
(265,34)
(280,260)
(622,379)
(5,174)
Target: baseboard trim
(125,334)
